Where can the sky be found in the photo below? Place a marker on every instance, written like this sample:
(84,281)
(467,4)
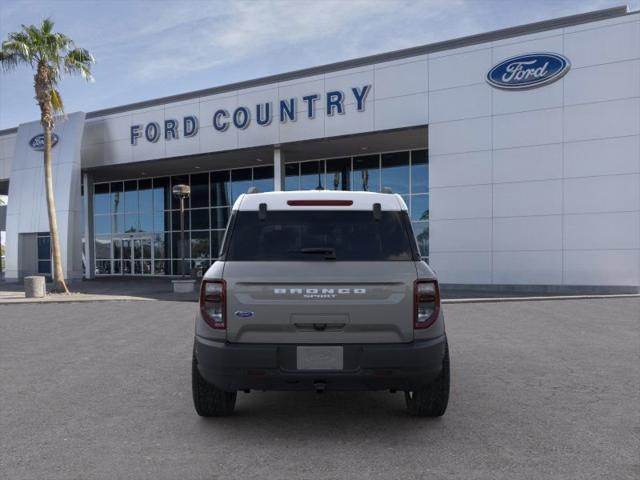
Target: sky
(150,49)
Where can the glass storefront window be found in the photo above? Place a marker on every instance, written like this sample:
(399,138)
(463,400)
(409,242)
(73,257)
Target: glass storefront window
(220,189)
(101,199)
(145,195)
(366,173)
(263,178)
(421,231)
(339,174)
(161,194)
(395,171)
(240,182)
(200,245)
(144,210)
(420,207)
(419,171)
(200,219)
(200,190)
(312,175)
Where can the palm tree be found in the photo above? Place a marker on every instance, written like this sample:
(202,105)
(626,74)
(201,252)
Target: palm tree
(50,55)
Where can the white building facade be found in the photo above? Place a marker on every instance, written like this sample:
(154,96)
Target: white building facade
(517,151)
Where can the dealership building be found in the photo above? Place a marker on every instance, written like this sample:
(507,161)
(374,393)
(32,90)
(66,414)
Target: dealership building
(516,151)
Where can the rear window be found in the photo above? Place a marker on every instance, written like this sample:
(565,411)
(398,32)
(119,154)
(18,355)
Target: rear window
(306,235)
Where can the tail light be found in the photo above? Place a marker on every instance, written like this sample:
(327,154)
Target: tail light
(426,303)
(213,303)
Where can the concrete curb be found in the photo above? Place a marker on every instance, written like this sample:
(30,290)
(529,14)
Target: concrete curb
(537,299)
(76,299)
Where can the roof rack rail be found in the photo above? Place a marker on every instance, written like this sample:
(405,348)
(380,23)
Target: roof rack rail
(253,190)
(386,190)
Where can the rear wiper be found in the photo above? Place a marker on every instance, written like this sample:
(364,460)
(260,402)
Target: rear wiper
(329,253)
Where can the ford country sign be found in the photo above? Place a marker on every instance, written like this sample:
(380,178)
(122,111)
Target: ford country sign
(37,142)
(528,71)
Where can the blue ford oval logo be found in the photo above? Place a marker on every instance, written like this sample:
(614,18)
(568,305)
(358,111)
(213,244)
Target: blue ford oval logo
(528,71)
(243,314)
(37,142)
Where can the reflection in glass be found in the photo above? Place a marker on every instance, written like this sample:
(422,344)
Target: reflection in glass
(146,222)
(117,223)
(216,242)
(200,244)
(200,190)
(421,231)
(101,198)
(240,182)
(117,248)
(126,267)
(44,266)
(161,194)
(131,203)
(117,267)
(126,249)
(312,175)
(131,223)
(160,222)
(292,176)
(200,219)
(162,267)
(103,247)
(220,192)
(419,171)
(420,207)
(395,171)
(145,195)
(219,217)
(117,198)
(366,173)
(339,174)
(160,241)
(103,267)
(263,178)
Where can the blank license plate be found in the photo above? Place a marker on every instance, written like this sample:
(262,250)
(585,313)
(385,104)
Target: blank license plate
(319,358)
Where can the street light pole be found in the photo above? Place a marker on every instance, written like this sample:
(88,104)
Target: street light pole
(182,192)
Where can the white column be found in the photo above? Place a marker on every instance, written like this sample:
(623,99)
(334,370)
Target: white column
(89,262)
(278,169)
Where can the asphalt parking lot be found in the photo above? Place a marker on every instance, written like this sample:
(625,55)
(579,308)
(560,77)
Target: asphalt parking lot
(543,389)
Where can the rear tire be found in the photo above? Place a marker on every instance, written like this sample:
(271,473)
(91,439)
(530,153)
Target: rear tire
(431,400)
(209,400)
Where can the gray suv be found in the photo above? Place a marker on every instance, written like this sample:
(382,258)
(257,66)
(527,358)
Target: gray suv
(320,290)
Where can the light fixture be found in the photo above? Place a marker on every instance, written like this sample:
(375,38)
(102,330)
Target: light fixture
(259,160)
(364,148)
(197,167)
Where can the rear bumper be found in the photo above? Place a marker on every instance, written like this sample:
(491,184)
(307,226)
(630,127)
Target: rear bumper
(404,366)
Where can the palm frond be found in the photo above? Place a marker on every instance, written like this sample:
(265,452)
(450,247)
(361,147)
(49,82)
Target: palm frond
(79,61)
(56,101)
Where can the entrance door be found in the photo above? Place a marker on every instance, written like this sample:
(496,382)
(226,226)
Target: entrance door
(133,256)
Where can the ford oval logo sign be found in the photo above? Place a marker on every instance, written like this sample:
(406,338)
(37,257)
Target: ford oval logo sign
(528,71)
(37,142)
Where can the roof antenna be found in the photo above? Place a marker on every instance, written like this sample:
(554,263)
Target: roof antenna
(319,187)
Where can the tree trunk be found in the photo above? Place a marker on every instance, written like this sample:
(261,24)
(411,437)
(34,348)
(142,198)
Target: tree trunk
(59,284)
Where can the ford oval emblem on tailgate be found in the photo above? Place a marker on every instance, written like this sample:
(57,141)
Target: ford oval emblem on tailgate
(243,314)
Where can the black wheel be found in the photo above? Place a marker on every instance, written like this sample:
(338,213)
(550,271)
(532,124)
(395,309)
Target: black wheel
(209,400)
(431,400)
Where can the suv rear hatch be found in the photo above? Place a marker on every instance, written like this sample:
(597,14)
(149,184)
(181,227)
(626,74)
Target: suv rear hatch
(311,276)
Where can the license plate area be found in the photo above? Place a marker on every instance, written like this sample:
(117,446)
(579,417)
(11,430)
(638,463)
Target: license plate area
(320,358)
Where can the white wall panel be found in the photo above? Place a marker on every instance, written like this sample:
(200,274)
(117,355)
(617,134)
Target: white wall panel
(540,232)
(460,202)
(602,82)
(398,80)
(602,267)
(603,45)
(351,122)
(472,168)
(616,193)
(527,128)
(303,129)
(527,198)
(345,82)
(609,156)
(548,41)
(456,70)
(212,140)
(462,267)
(460,136)
(459,103)
(460,235)
(527,268)
(549,96)
(399,112)
(601,120)
(540,162)
(602,231)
